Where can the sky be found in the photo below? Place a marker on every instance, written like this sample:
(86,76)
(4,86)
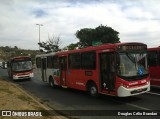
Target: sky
(135,20)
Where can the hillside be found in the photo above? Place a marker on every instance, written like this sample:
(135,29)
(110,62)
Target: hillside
(8,52)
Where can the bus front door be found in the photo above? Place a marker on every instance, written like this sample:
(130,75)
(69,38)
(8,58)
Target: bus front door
(44,67)
(107,71)
(63,67)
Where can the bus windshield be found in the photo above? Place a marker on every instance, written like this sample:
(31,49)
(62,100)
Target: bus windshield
(22,66)
(132,64)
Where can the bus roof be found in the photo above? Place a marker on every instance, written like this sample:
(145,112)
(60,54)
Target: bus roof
(91,48)
(20,57)
(44,55)
(17,58)
(154,48)
(101,47)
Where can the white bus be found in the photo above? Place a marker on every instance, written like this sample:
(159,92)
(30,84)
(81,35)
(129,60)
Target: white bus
(44,66)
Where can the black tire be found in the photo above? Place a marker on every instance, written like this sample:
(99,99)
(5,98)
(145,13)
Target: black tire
(51,82)
(92,89)
(29,79)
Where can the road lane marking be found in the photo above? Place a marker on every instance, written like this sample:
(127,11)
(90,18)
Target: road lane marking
(133,105)
(153,93)
(143,108)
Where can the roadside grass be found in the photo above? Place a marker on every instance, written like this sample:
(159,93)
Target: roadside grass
(24,98)
(12,97)
(6,90)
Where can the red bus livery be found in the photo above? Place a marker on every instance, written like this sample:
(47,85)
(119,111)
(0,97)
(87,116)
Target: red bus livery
(20,68)
(154,65)
(114,69)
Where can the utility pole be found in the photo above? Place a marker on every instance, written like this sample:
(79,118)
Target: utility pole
(39,32)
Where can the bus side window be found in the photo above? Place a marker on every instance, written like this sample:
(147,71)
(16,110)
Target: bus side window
(152,58)
(55,62)
(38,62)
(89,60)
(50,62)
(75,61)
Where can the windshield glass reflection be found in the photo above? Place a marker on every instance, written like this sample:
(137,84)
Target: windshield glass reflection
(132,64)
(22,66)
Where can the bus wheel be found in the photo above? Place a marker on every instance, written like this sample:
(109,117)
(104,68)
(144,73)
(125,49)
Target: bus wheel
(51,82)
(93,90)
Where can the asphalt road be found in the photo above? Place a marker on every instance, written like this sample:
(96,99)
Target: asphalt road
(78,101)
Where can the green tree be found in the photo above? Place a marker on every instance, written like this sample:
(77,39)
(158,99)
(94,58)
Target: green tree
(72,46)
(52,45)
(101,34)
(15,47)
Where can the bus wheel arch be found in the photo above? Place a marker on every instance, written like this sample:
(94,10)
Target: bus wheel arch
(92,88)
(51,82)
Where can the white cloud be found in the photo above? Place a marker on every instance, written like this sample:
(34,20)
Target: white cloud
(135,20)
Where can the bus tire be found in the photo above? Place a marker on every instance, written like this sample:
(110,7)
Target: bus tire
(29,79)
(51,82)
(92,89)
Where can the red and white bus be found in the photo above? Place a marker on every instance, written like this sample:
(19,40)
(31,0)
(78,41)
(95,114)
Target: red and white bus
(154,65)
(114,69)
(20,67)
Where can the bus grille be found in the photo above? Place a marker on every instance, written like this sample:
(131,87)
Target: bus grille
(23,77)
(138,90)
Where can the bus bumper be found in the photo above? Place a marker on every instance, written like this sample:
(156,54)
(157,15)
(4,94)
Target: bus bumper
(17,77)
(125,92)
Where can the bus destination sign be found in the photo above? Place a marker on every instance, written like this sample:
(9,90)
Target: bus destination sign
(126,48)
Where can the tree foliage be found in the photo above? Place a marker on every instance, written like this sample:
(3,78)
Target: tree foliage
(103,34)
(72,46)
(52,45)
(8,52)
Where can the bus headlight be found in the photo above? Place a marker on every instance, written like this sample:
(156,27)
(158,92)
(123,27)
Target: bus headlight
(126,86)
(147,82)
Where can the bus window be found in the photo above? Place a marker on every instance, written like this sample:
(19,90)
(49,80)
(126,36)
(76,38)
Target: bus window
(22,66)
(75,61)
(152,58)
(133,64)
(50,62)
(89,60)
(38,62)
(55,62)
(63,63)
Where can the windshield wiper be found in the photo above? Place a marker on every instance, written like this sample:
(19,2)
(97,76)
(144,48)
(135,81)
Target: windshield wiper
(133,60)
(130,57)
